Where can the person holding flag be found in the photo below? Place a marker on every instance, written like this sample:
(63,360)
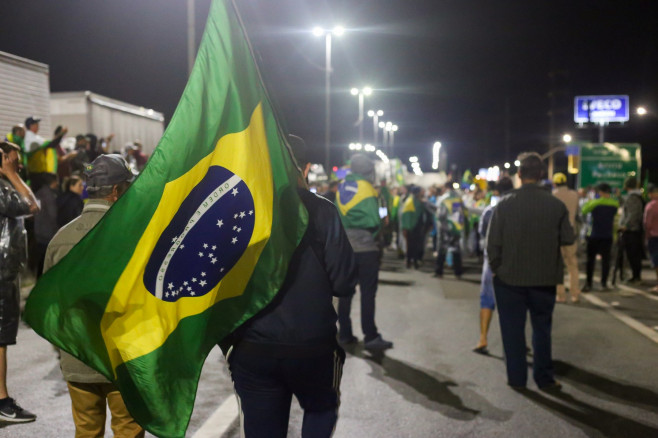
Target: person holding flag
(290,346)
(359,211)
(199,243)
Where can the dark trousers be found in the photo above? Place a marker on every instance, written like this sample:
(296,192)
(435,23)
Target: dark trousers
(368,267)
(415,241)
(456,260)
(598,246)
(265,386)
(514,302)
(634,248)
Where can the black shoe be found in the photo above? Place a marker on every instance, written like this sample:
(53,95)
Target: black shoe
(437,275)
(348,341)
(586,288)
(12,413)
(482,350)
(551,387)
(377,343)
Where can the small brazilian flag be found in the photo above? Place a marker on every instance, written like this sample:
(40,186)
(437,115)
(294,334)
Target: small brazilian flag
(199,243)
(412,210)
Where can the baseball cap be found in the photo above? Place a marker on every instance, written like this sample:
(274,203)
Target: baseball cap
(107,170)
(31,120)
(559,178)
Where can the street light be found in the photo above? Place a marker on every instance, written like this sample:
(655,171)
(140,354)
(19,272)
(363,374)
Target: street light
(507,165)
(365,91)
(436,150)
(413,159)
(641,111)
(318,32)
(567,138)
(375,122)
(517,163)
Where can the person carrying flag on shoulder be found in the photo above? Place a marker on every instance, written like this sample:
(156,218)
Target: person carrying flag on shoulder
(108,177)
(290,346)
(451,218)
(415,223)
(359,211)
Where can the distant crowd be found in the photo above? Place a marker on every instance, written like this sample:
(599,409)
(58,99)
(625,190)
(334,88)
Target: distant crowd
(54,170)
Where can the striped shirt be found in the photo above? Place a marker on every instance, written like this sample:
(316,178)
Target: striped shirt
(526,231)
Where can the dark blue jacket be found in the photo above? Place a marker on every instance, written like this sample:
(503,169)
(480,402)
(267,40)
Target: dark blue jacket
(301,319)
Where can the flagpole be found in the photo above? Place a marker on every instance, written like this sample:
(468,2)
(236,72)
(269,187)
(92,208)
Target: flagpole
(191,46)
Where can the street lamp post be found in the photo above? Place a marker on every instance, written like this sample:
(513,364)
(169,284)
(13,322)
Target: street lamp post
(366,91)
(375,123)
(318,31)
(393,129)
(191,44)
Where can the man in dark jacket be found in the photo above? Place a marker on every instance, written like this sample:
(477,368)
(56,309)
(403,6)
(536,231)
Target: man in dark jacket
(630,225)
(290,347)
(527,229)
(16,201)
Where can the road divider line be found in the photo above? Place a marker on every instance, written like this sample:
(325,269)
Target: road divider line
(220,421)
(637,291)
(631,322)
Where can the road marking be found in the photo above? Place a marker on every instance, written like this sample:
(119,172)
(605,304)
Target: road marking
(637,291)
(631,322)
(219,422)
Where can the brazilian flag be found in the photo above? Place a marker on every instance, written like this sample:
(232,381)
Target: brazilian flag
(412,211)
(199,243)
(358,204)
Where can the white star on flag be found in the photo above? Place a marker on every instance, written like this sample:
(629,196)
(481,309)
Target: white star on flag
(235,191)
(185,283)
(205,245)
(202,283)
(214,247)
(193,279)
(174,239)
(220,223)
(182,246)
(192,293)
(213,261)
(234,240)
(189,288)
(235,216)
(235,227)
(166,294)
(211,255)
(200,254)
(171,285)
(221,270)
(203,274)
(238,230)
(242,214)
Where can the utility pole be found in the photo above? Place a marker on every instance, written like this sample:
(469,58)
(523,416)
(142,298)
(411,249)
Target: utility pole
(191,36)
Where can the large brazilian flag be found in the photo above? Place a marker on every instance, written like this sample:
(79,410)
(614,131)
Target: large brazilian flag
(198,244)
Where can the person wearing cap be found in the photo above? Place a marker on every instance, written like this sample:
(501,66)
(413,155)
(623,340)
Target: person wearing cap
(569,252)
(16,201)
(43,155)
(651,228)
(108,177)
(599,236)
(630,224)
(290,348)
(357,202)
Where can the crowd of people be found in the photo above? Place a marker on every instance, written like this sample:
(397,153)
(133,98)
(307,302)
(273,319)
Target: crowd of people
(49,189)
(525,238)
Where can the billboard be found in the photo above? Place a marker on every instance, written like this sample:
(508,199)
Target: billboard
(601,109)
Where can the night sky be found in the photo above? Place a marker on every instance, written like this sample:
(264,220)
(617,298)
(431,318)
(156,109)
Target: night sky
(442,70)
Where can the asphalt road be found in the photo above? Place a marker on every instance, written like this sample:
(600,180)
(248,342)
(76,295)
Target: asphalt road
(430,384)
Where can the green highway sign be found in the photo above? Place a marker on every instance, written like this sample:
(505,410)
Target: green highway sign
(608,162)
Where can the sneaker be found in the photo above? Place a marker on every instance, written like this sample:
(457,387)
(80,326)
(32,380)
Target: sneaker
(378,343)
(551,387)
(12,413)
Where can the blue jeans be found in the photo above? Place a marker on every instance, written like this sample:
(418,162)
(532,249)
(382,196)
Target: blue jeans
(514,303)
(265,386)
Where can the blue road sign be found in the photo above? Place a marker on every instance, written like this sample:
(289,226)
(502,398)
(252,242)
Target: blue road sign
(601,109)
